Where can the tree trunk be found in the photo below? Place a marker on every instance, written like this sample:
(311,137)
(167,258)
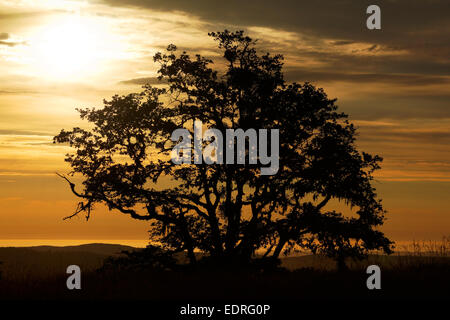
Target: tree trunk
(342,266)
(279,247)
(191,256)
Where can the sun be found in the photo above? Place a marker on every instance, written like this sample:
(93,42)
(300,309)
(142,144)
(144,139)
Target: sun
(69,48)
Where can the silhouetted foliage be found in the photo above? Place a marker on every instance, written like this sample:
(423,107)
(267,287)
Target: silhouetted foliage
(230,211)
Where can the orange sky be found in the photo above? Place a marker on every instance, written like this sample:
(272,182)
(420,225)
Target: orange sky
(56,55)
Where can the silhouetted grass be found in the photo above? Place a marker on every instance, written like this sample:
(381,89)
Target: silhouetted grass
(40,274)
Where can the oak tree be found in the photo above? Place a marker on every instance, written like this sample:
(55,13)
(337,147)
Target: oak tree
(229,212)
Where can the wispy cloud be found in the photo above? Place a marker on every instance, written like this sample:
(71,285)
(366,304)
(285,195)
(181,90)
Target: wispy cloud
(6,40)
(143,81)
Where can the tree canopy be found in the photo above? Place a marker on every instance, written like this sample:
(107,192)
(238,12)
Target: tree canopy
(230,211)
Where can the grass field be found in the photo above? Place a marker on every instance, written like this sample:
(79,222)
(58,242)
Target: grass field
(421,271)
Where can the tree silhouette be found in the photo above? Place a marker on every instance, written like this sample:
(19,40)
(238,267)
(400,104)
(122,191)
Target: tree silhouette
(230,211)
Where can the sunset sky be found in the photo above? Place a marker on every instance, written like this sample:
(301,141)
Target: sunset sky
(57,55)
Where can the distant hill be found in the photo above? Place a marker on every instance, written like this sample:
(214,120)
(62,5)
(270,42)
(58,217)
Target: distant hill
(52,260)
(97,248)
(48,261)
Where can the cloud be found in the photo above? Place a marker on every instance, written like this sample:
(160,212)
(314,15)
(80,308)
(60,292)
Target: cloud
(23,133)
(343,20)
(11,198)
(413,38)
(382,105)
(14,92)
(373,48)
(20,13)
(143,81)
(409,135)
(26,173)
(305,74)
(414,149)
(342,42)
(10,43)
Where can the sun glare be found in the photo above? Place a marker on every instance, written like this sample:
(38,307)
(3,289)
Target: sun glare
(69,48)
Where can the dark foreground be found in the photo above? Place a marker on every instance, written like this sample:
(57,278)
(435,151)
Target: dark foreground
(39,274)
